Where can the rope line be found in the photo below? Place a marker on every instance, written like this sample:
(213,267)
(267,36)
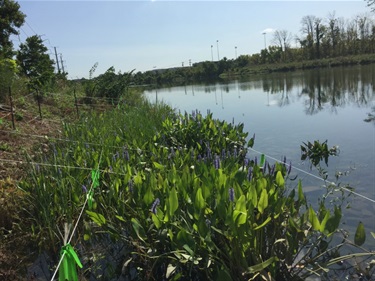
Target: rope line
(315,176)
(78,219)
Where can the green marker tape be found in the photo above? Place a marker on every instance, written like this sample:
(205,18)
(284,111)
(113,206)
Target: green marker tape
(262,159)
(68,270)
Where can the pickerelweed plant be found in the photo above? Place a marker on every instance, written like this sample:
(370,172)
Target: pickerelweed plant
(180,194)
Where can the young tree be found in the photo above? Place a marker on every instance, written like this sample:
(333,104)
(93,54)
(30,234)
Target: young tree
(11,18)
(34,62)
(282,38)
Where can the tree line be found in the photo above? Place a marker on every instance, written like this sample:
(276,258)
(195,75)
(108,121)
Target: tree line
(319,38)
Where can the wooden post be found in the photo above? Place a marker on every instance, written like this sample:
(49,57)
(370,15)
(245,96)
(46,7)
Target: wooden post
(38,98)
(76,103)
(11,108)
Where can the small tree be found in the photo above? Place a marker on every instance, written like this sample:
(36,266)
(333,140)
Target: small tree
(35,63)
(8,69)
(11,18)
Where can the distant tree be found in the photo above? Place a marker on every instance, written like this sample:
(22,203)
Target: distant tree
(11,18)
(282,38)
(34,62)
(309,32)
(371,3)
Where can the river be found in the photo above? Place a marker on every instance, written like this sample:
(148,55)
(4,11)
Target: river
(286,109)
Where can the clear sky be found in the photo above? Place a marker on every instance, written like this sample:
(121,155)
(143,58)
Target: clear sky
(144,35)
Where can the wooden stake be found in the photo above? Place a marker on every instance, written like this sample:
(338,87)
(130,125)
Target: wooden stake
(11,109)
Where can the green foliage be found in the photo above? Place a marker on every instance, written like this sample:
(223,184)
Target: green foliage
(11,18)
(8,70)
(317,152)
(35,63)
(178,191)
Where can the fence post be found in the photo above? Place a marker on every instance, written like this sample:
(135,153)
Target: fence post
(38,98)
(75,102)
(11,108)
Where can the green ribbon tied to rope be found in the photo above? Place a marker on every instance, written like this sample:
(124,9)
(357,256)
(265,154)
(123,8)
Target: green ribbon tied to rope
(95,184)
(68,270)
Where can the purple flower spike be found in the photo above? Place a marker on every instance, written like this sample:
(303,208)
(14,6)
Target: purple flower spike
(217,162)
(84,188)
(231,194)
(249,174)
(154,205)
(255,161)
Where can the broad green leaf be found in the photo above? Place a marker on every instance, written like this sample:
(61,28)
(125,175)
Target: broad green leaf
(199,200)
(373,234)
(280,179)
(158,166)
(314,219)
(120,218)
(259,267)
(138,179)
(240,212)
(360,235)
(301,196)
(324,221)
(334,221)
(173,202)
(138,229)
(156,220)
(97,218)
(263,201)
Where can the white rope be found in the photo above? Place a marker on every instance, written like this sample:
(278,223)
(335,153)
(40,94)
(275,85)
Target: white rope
(315,176)
(78,219)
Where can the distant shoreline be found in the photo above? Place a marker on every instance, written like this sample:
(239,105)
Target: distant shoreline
(302,65)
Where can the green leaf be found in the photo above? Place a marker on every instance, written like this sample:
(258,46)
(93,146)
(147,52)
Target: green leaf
(373,234)
(263,201)
(173,202)
(138,229)
(240,212)
(280,179)
(199,200)
(314,219)
(158,166)
(263,224)
(360,235)
(259,267)
(324,221)
(301,196)
(156,220)
(97,218)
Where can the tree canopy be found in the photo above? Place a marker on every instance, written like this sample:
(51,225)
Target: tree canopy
(11,18)
(34,62)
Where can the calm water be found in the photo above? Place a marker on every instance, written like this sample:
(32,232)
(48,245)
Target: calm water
(286,109)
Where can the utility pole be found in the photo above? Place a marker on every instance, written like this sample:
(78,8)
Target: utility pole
(57,61)
(212,53)
(62,63)
(217,43)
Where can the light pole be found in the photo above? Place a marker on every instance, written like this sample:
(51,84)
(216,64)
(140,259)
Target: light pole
(265,44)
(235,51)
(212,53)
(217,43)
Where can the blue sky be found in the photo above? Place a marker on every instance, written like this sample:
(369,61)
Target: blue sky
(142,35)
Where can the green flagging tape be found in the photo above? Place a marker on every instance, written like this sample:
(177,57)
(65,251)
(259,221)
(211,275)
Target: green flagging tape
(95,183)
(262,159)
(68,270)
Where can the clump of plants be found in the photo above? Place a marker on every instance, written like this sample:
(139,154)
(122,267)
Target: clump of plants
(179,194)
